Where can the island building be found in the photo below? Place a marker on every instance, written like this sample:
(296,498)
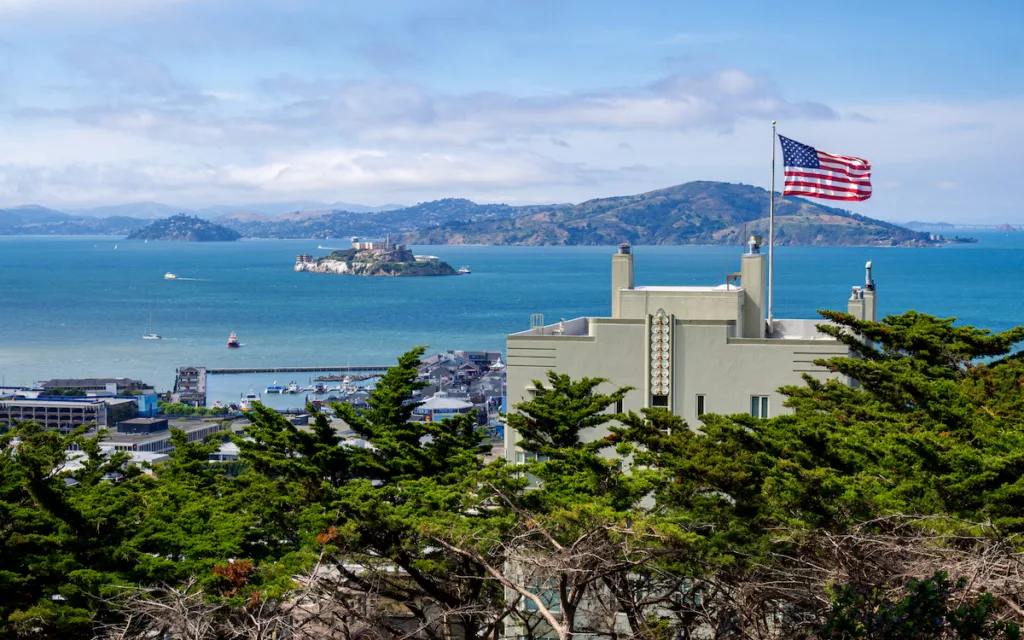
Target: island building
(691,350)
(374,245)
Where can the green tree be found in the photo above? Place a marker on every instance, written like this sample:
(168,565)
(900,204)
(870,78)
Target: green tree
(929,609)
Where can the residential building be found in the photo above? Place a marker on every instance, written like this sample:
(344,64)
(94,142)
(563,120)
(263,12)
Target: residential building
(691,350)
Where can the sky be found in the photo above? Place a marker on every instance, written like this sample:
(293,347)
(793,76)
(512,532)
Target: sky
(205,102)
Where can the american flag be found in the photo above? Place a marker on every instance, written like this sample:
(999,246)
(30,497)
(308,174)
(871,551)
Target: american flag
(814,173)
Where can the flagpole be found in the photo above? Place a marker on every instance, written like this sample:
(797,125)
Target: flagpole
(771,238)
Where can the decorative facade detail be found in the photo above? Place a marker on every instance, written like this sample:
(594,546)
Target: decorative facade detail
(661,353)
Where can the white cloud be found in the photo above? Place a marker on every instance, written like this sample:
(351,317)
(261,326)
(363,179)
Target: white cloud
(365,140)
(90,8)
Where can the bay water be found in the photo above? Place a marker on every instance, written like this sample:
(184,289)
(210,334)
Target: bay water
(78,306)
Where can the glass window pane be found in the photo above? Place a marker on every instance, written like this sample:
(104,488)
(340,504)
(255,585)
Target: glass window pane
(700,405)
(764,406)
(755,407)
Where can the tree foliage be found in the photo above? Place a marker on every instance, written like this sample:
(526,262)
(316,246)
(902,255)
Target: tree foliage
(886,504)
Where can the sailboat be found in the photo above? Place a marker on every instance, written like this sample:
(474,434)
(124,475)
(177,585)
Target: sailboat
(151,335)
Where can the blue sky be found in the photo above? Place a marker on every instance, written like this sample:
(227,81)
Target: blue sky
(195,102)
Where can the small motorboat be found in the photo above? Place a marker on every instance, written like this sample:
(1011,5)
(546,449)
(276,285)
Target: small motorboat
(464,271)
(275,388)
(233,342)
(320,388)
(170,276)
(293,387)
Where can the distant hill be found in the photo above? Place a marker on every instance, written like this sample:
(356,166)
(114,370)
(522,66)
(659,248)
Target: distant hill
(342,224)
(154,210)
(184,228)
(691,213)
(35,220)
(275,209)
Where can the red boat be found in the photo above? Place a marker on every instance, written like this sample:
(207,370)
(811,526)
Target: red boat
(233,342)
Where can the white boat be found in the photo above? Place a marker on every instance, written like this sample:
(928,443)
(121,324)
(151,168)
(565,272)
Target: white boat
(247,399)
(151,335)
(293,387)
(170,276)
(275,388)
(464,270)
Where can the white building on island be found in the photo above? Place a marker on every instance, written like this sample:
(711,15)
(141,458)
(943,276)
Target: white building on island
(691,350)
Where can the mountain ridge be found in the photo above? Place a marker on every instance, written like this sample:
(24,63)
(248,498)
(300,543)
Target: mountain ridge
(700,212)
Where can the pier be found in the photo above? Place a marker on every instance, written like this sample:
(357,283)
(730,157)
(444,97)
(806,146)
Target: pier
(342,369)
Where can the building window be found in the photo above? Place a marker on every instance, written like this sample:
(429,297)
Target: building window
(700,404)
(618,406)
(759,406)
(659,401)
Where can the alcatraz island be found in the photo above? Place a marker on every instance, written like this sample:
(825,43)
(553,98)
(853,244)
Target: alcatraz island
(375,258)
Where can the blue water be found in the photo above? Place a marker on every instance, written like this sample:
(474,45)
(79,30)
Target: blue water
(74,306)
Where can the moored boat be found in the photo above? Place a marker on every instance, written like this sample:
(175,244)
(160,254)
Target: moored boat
(247,399)
(275,388)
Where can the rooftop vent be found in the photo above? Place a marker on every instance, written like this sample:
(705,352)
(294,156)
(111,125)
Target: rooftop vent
(624,248)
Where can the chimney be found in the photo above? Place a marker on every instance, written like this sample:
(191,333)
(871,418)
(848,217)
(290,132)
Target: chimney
(855,305)
(622,274)
(753,278)
(870,300)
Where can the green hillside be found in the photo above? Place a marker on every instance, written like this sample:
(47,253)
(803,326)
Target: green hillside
(691,213)
(183,228)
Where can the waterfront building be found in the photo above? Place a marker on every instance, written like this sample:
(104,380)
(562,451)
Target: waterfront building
(100,386)
(190,385)
(147,435)
(689,349)
(67,414)
(441,406)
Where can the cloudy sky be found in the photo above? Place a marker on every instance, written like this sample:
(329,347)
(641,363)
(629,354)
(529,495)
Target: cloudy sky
(199,102)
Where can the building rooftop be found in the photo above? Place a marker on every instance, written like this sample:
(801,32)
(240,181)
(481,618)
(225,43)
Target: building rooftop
(718,288)
(56,402)
(442,401)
